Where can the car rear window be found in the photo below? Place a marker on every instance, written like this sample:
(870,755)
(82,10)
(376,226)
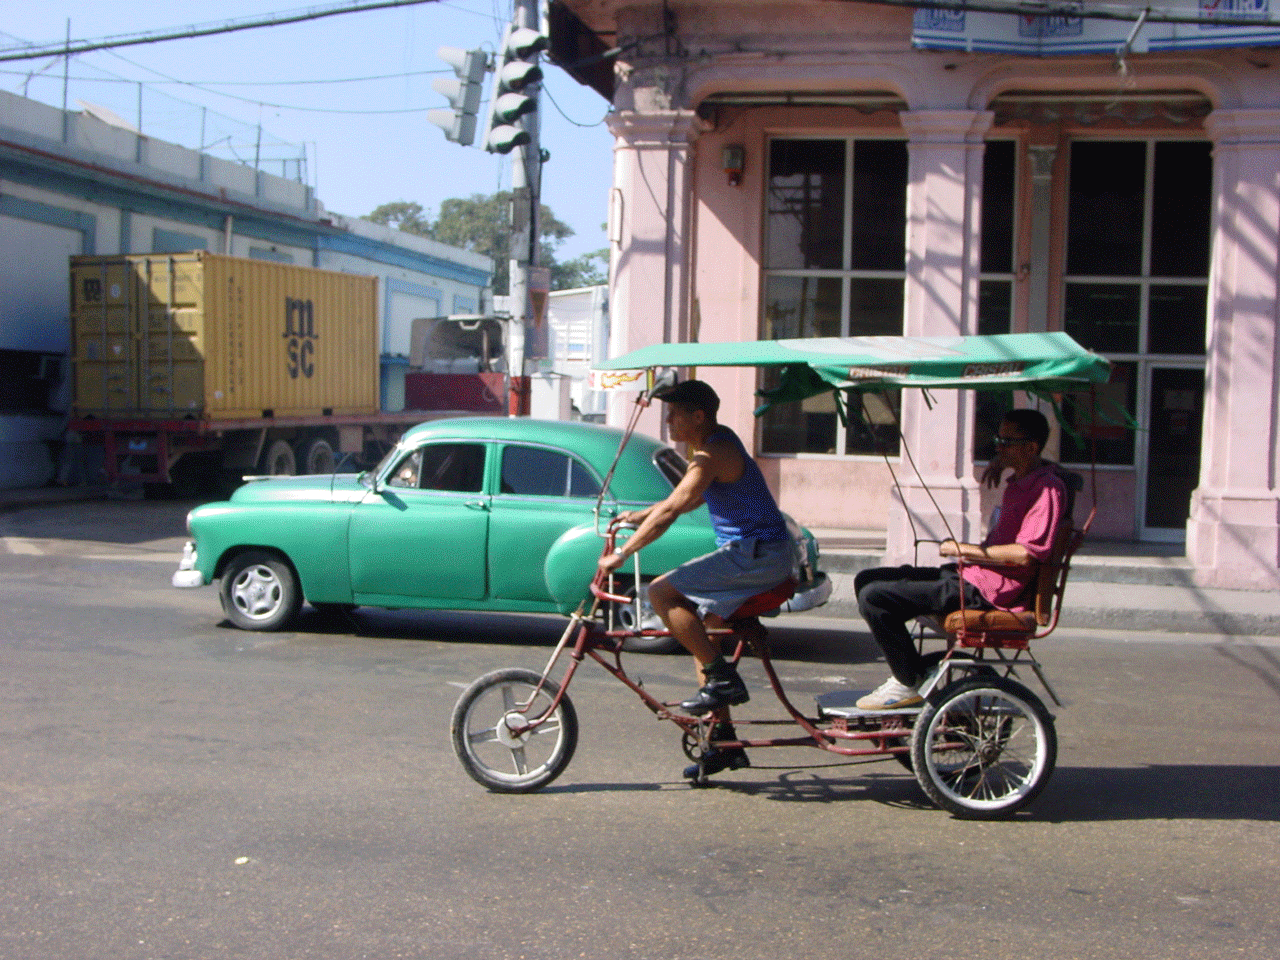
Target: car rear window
(671,465)
(538,472)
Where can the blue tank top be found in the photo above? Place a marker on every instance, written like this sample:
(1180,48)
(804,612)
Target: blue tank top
(744,508)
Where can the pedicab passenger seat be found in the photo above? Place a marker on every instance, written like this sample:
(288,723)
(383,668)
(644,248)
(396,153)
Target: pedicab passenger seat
(1015,629)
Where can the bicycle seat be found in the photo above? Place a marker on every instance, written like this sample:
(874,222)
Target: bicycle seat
(764,602)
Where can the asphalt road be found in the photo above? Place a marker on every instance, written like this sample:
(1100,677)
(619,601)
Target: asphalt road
(174,788)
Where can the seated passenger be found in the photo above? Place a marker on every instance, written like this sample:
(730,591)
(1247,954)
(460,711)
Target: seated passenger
(891,597)
(754,554)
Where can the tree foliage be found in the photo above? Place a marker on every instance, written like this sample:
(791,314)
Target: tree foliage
(482,224)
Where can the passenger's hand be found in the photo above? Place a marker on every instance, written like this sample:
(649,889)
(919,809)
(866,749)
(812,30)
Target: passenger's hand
(991,475)
(949,548)
(610,562)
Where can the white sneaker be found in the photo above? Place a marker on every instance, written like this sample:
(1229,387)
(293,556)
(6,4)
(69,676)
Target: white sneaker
(890,695)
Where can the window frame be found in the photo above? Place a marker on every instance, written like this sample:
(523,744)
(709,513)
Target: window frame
(846,274)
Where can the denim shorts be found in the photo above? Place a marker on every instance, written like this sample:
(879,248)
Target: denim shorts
(721,581)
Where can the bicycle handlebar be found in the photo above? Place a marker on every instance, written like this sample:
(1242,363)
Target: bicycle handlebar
(610,543)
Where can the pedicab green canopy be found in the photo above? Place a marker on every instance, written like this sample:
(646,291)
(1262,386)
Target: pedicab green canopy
(1037,362)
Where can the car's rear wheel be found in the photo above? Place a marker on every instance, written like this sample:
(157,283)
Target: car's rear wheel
(259,591)
(624,615)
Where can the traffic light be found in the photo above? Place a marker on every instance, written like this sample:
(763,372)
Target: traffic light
(516,70)
(463,94)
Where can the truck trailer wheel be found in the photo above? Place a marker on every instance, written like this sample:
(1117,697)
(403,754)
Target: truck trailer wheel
(317,454)
(278,460)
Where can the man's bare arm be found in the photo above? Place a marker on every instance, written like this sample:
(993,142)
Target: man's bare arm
(707,466)
(1006,554)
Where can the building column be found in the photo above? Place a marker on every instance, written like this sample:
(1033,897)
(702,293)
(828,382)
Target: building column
(1233,536)
(944,205)
(650,238)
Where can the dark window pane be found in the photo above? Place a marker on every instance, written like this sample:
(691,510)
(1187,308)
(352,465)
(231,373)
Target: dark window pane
(995,306)
(990,406)
(1104,218)
(581,482)
(1180,210)
(879,205)
(873,423)
(1176,319)
(802,307)
(1102,427)
(806,204)
(458,467)
(876,308)
(1175,415)
(1103,316)
(805,427)
(534,472)
(998,181)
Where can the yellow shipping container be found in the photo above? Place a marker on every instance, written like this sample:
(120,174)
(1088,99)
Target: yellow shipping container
(206,336)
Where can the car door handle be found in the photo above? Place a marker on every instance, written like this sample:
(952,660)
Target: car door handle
(476,504)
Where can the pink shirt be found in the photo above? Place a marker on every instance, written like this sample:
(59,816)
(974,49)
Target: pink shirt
(1029,514)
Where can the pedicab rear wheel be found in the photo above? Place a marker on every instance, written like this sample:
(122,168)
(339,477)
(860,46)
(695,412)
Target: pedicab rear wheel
(492,738)
(984,748)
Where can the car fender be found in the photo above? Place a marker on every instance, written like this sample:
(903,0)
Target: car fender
(571,561)
(313,541)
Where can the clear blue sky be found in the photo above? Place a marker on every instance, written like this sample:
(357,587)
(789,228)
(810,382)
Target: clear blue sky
(355,159)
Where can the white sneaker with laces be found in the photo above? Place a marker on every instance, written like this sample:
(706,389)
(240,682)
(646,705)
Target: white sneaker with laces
(890,695)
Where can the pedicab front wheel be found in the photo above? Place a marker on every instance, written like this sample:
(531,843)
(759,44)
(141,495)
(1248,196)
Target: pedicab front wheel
(502,737)
(984,748)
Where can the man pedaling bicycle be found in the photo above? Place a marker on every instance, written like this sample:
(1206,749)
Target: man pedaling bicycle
(754,554)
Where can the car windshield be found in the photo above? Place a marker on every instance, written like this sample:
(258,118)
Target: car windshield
(368,476)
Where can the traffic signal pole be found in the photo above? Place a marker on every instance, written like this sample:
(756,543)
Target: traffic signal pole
(511,127)
(526,184)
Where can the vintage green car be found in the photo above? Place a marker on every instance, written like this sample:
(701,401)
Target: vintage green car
(462,514)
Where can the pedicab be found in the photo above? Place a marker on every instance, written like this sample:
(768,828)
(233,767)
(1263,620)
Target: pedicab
(982,745)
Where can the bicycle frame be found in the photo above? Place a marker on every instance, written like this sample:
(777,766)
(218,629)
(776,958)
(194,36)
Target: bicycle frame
(877,733)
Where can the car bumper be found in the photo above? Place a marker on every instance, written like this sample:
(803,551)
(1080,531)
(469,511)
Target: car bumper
(187,576)
(814,595)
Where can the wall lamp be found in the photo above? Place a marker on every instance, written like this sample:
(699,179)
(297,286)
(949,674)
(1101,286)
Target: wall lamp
(732,160)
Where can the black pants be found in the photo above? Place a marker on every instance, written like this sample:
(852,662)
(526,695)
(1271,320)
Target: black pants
(891,597)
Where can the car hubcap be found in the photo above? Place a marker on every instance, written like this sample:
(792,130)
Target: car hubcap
(256,592)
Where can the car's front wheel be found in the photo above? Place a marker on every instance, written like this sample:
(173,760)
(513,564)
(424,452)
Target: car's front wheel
(260,591)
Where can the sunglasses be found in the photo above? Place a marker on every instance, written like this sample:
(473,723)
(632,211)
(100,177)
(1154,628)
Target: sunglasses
(1009,441)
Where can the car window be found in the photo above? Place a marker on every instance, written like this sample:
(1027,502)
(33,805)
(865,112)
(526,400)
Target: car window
(538,472)
(671,465)
(456,467)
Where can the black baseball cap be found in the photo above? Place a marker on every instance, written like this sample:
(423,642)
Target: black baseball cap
(692,393)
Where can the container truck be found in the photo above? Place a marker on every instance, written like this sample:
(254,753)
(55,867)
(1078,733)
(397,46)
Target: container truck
(190,365)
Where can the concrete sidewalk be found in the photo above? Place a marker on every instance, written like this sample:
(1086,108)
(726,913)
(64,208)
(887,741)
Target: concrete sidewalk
(1115,586)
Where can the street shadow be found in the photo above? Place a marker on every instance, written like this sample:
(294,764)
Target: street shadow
(786,644)
(1162,792)
(1073,794)
(450,626)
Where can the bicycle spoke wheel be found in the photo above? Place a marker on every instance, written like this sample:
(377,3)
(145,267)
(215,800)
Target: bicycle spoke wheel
(984,748)
(504,735)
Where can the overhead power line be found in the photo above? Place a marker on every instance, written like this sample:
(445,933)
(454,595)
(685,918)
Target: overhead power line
(183,33)
(1129,12)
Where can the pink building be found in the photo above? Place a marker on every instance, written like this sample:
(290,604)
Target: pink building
(788,169)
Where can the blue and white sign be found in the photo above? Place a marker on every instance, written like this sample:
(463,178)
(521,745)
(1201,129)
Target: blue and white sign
(1062,33)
